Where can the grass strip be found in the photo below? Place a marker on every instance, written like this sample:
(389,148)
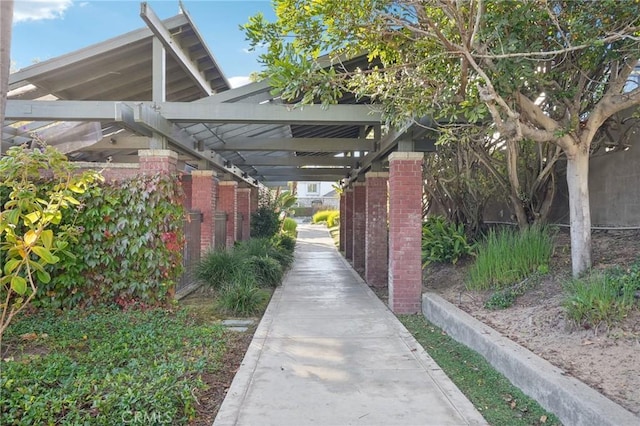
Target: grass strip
(489,391)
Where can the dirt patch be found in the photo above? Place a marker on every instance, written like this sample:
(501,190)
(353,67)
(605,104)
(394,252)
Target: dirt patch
(218,383)
(607,359)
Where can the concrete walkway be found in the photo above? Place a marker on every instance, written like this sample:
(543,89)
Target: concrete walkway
(328,352)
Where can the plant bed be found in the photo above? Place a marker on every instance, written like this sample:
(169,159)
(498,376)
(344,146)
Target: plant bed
(606,357)
(108,366)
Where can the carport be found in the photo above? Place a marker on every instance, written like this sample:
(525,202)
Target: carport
(155,100)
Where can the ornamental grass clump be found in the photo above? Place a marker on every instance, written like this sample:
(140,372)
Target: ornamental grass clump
(506,257)
(323,216)
(267,270)
(219,267)
(290,226)
(242,296)
(602,297)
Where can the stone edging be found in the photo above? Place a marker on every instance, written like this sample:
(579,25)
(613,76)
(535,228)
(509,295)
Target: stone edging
(568,398)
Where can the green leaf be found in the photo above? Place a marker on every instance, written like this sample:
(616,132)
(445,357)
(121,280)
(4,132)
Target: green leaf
(47,238)
(18,284)
(45,254)
(32,218)
(11,265)
(43,276)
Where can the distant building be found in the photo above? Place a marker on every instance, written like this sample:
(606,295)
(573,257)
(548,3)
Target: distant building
(318,195)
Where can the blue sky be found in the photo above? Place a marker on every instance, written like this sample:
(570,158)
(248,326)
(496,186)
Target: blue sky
(44,29)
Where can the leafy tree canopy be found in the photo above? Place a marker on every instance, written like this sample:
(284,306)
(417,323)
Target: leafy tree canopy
(539,70)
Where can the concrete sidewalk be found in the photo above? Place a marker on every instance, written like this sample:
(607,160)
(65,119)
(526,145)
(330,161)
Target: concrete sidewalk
(328,352)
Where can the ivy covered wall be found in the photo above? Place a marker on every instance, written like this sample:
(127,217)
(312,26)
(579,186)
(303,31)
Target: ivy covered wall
(127,246)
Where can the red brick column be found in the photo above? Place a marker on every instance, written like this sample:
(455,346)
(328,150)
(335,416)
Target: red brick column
(377,231)
(204,188)
(405,232)
(244,209)
(359,225)
(228,203)
(158,161)
(342,222)
(348,223)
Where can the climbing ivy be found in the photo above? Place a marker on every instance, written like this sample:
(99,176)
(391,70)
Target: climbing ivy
(128,248)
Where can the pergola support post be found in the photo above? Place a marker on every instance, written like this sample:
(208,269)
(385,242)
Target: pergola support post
(228,202)
(204,188)
(343,222)
(405,231)
(377,230)
(348,223)
(359,216)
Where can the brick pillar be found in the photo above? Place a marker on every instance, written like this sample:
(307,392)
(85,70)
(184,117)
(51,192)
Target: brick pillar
(244,209)
(377,232)
(154,161)
(228,203)
(348,223)
(204,188)
(405,232)
(359,216)
(342,222)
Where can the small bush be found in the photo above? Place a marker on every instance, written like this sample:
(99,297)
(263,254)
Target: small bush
(242,297)
(265,223)
(268,270)
(255,247)
(286,242)
(290,226)
(603,297)
(508,257)
(220,267)
(323,216)
(333,219)
(262,247)
(443,242)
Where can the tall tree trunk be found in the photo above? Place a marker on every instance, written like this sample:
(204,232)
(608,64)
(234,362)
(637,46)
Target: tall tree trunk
(6,19)
(579,212)
(514,192)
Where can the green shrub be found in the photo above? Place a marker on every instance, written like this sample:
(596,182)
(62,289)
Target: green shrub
(286,242)
(265,223)
(333,219)
(322,216)
(443,242)
(220,267)
(242,297)
(262,247)
(509,256)
(98,366)
(602,297)
(268,270)
(290,226)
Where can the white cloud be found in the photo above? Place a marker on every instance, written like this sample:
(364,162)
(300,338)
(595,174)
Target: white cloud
(36,10)
(240,80)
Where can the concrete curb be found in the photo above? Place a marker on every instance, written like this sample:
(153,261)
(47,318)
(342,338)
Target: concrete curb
(571,400)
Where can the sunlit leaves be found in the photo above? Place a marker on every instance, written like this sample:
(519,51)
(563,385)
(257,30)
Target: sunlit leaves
(27,240)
